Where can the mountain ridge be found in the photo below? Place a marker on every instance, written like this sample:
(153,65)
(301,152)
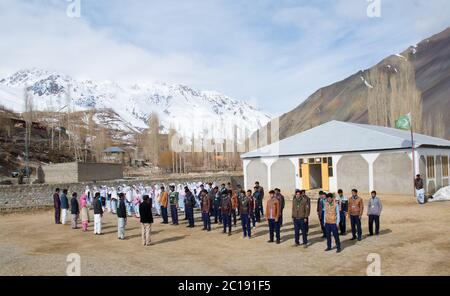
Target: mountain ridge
(416,80)
(177,105)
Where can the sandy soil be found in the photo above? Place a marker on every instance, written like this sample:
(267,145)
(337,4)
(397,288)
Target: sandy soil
(414,240)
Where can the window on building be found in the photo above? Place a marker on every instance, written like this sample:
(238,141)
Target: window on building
(430,167)
(311,160)
(445,166)
(330,167)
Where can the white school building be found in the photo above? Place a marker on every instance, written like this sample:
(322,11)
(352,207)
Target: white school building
(348,155)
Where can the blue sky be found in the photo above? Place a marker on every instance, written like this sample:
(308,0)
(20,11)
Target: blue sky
(271,53)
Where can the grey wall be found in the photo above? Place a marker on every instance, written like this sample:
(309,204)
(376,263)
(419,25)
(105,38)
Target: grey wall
(82,172)
(257,171)
(283,176)
(393,173)
(353,172)
(99,171)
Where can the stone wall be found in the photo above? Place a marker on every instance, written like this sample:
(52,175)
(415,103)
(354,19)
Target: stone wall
(60,172)
(22,197)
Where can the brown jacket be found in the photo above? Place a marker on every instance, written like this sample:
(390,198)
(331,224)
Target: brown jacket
(301,207)
(164,199)
(355,206)
(206,204)
(234,201)
(274,205)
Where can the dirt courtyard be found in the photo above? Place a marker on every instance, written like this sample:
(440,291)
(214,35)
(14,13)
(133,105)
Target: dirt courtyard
(414,240)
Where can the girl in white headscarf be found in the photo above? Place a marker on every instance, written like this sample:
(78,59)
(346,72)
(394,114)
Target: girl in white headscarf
(114,197)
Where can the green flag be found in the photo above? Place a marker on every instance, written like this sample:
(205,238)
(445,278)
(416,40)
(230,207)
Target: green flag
(403,122)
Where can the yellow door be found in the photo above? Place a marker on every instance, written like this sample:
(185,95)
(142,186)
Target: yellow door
(325,177)
(305,176)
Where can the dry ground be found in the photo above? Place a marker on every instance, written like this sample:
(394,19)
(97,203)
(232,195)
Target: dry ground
(414,240)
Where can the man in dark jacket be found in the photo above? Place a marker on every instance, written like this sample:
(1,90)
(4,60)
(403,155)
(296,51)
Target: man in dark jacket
(189,202)
(245,209)
(258,203)
(64,206)
(261,196)
(74,209)
(239,197)
(121,217)
(216,205)
(57,206)
(300,213)
(309,201)
(343,208)
(98,213)
(205,207)
(225,210)
(145,212)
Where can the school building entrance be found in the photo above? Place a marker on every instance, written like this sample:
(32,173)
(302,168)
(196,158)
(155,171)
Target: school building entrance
(315,172)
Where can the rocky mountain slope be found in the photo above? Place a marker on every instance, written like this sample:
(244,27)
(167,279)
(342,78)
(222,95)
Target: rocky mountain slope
(416,80)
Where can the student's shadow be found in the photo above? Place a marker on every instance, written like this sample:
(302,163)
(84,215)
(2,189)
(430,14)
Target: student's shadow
(139,234)
(316,240)
(260,233)
(292,235)
(115,231)
(349,242)
(170,239)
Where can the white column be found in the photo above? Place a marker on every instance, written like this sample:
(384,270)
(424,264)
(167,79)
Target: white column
(370,158)
(296,162)
(268,162)
(245,163)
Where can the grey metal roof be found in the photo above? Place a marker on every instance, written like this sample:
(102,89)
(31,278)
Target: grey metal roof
(113,150)
(338,137)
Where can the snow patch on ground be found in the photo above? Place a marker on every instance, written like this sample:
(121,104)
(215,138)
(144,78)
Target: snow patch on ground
(442,194)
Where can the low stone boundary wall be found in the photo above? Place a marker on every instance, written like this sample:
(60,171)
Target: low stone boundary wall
(36,196)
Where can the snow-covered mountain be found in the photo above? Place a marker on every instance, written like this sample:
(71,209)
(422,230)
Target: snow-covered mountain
(178,106)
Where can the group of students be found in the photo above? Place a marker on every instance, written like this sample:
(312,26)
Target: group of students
(61,205)
(333,212)
(219,205)
(222,205)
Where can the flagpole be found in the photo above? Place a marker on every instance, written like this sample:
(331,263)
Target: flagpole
(413,156)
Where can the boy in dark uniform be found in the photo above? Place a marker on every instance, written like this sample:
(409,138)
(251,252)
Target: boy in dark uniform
(205,205)
(173,202)
(245,208)
(225,211)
